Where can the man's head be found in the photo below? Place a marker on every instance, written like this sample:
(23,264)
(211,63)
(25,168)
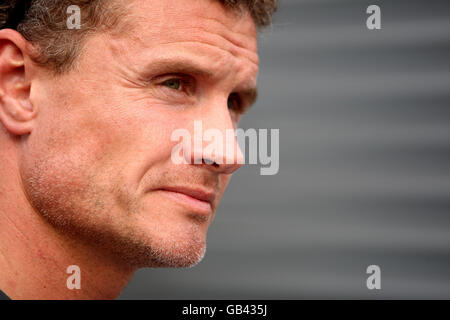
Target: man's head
(87,117)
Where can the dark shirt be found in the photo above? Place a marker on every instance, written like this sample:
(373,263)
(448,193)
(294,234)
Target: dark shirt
(3,296)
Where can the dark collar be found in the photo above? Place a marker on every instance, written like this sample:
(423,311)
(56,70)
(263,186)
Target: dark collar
(3,296)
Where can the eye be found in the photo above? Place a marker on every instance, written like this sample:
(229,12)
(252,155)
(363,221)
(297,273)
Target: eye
(234,102)
(173,83)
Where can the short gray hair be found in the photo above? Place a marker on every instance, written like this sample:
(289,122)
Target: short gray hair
(44,25)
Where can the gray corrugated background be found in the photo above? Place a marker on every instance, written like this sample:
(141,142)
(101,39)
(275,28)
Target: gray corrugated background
(364,119)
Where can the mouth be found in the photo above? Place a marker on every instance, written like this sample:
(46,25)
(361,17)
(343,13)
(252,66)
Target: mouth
(196,200)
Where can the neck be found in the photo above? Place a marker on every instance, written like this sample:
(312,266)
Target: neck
(34,257)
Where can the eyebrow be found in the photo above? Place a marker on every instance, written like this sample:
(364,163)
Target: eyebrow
(175,66)
(170,65)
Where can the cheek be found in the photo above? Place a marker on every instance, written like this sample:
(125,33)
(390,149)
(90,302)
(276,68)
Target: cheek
(70,182)
(97,144)
(54,182)
(57,166)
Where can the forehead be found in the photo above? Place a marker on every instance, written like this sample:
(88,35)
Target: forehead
(206,22)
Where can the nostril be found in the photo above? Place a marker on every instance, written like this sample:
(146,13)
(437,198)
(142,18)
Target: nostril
(210,162)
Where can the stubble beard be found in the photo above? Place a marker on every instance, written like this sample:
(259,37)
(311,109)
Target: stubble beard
(72,206)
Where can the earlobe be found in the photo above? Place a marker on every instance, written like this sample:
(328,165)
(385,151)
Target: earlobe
(16,116)
(17,113)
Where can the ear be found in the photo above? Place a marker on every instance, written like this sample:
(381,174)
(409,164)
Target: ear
(17,113)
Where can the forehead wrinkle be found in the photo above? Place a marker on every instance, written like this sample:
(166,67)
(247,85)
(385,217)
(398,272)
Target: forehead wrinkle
(158,58)
(234,46)
(252,57)
(215,69)
(227,32)
(188,64)
(201,34)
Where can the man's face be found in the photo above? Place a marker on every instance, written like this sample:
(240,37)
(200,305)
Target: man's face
(98,162)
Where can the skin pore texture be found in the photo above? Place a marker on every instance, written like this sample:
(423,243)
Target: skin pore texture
(86,156)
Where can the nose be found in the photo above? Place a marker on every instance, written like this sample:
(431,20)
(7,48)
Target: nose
(215,143)
(213,162)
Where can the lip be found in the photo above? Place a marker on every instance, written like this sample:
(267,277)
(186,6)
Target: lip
(198,200)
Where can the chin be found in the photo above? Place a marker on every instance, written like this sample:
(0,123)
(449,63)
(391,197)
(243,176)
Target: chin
(173,256)
(166,238)
(166,246)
